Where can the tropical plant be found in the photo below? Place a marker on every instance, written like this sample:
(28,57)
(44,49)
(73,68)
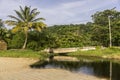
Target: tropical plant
(16,40)
(25,21)
(101,29)
(3,31)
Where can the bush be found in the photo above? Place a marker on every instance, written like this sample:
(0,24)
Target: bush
(17,41)
(32,45)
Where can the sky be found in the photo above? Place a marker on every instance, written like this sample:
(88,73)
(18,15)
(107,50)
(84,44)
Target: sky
(58,12)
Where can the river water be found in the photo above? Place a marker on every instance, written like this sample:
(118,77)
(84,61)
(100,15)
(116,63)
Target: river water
(99,68)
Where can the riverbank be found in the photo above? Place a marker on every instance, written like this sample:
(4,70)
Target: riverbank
(19,53)
(107,53)
(18,69)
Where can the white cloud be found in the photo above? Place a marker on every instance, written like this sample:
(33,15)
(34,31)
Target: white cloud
(65,12)
(74,11)
(7,7)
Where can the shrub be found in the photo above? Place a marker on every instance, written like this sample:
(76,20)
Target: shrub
(32,45)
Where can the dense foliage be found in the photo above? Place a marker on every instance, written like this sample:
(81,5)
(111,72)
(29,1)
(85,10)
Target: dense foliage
(94,33)
(100,29)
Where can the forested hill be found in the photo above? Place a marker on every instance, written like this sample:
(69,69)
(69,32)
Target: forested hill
(71,35)
(90,34)
(94,33)
(79,35)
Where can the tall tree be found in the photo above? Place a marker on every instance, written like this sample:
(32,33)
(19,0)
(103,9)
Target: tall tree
(25,21)
(101,27)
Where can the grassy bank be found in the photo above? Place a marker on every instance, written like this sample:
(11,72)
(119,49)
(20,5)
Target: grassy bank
(110,53)
(22,54)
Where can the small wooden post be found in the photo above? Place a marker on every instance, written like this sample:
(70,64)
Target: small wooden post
(51,54)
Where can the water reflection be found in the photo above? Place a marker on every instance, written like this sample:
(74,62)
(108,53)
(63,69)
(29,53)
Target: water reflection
(96,68)
(116,71)
(87,70)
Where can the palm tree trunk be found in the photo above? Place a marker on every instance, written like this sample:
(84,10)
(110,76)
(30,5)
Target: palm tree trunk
(26,38)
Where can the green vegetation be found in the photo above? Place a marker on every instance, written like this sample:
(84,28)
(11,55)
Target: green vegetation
(101,53)
(27,28)
(3,31)
(26,20)
(23,54)
(94,33)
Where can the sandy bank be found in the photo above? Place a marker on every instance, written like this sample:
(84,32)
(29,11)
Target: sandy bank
(18,69)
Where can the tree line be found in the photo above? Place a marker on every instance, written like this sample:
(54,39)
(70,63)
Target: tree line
(31,32)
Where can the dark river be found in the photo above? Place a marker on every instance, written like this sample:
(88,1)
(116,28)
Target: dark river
(100,68)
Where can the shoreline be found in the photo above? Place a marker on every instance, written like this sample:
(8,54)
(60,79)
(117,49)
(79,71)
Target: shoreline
(116,58)
(18,69)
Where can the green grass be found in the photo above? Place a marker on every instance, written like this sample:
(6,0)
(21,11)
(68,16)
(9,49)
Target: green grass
(108,52)
(22,54)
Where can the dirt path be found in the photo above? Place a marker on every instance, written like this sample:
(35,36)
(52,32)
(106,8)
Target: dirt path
(18,69)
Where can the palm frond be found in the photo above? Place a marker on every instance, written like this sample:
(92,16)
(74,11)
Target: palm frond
(20,15)
(11,22)
(34,15)
(26,19)
(13,17)
(26,12)
(38,19)
(33,11)
(22,11)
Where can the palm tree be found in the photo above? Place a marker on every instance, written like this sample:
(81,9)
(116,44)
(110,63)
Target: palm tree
(25,21)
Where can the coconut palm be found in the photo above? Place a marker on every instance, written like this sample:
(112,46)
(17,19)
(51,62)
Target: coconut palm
(25,21)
